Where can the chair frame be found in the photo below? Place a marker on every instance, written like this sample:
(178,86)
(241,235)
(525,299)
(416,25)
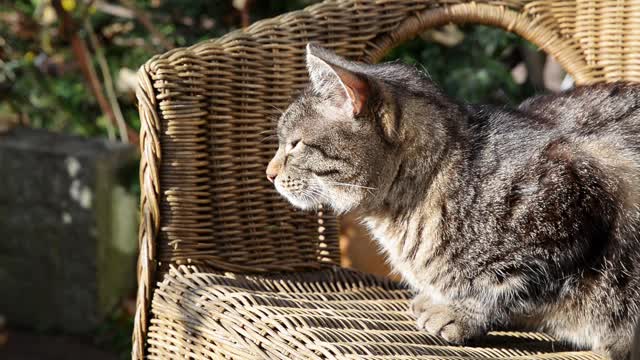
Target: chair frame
(178,116)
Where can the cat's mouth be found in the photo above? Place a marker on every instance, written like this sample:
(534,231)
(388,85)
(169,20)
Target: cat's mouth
(300,193)
(310,194)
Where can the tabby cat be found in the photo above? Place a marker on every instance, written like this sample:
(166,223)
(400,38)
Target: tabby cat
(495,217)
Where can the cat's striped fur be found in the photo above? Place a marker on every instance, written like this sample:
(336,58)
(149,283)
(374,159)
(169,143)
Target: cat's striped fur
(496,217)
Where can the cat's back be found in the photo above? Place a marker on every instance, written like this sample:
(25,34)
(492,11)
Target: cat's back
(599,121)
(557,159)
(589,110)
(569,142)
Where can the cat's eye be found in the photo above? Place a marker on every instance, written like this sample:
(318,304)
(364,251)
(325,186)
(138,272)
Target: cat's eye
(292,146)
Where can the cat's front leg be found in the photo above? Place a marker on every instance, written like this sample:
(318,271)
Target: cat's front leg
(418,303)
(453,322)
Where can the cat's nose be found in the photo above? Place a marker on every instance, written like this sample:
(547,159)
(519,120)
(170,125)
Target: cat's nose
(273,169)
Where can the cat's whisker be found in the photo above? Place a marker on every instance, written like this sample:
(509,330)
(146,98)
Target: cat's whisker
(276,108)
(425,71)
(320,194)
(309,195)
(273,119)
(351,185)
(267,138)
(305,196)
(312,191)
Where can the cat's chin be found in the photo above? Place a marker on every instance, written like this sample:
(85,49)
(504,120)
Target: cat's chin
(302,204)
(307,205)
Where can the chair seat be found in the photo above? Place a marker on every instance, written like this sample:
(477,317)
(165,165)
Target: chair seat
(333,313)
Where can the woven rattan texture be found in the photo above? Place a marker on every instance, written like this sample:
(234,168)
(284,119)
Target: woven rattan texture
(207,120)
(332,314)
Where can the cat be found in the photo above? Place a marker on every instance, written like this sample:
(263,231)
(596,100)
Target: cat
(635,350)
(495,217)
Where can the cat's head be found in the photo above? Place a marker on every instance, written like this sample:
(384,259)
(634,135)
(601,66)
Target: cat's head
(339,140)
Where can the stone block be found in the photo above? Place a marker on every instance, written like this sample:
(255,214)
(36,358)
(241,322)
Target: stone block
(67,229)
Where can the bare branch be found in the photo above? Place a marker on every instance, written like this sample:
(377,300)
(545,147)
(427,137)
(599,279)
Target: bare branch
(115,10)
(108,81)
(81,53)
(145,20)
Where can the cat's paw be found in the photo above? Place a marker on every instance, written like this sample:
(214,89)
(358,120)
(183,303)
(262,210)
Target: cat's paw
(441,320)
(418,304)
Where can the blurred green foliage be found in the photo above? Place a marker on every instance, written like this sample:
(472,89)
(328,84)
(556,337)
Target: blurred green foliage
(40,78)
(477,69)
(41,82)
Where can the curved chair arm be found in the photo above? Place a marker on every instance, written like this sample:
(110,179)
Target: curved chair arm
(207,109)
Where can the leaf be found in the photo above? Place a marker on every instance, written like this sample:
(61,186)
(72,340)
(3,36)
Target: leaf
(48,16)
(69,5)
(239,4)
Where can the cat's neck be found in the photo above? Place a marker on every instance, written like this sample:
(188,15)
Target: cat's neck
(432,164)
(412,209)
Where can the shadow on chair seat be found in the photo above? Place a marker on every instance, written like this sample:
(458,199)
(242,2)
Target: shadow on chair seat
(333,313)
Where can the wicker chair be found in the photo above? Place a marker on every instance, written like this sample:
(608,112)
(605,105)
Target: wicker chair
(227,269)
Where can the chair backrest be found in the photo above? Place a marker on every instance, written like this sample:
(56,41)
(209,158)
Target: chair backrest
(208,111)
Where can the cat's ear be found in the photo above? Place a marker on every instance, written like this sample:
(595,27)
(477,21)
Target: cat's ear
(346,88)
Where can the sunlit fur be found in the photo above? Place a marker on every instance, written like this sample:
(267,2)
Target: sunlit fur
(495,217)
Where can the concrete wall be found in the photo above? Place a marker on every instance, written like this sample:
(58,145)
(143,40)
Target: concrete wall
(67,229)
